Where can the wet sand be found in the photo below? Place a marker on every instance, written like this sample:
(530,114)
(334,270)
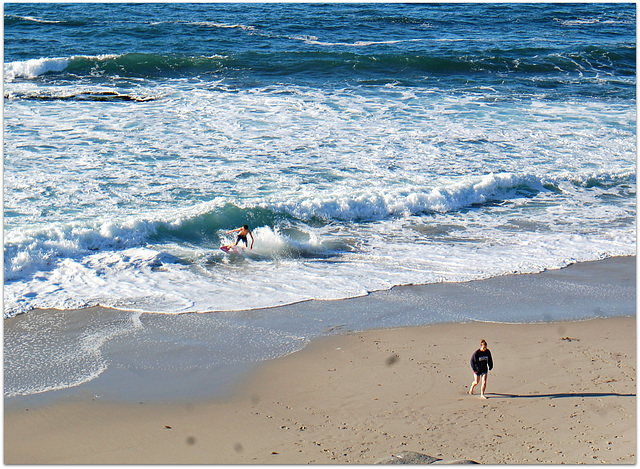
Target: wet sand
(560,392)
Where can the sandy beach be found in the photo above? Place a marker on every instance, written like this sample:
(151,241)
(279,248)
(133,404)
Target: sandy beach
(559,393)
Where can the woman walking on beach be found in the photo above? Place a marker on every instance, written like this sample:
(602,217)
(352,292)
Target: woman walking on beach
(481,363)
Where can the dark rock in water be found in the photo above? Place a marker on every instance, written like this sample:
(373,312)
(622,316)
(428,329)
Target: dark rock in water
(411,457)
(111,96)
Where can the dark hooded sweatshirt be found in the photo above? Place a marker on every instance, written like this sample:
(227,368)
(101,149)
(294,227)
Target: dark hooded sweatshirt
(481,362)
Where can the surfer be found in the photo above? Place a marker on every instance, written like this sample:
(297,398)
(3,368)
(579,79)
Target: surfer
(242,236)
(481,363)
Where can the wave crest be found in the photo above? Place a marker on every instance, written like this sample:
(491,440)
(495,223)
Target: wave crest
(334,57)
(27,252)
(491,188)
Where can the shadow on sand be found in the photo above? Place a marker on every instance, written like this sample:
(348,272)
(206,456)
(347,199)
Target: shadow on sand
(559,395)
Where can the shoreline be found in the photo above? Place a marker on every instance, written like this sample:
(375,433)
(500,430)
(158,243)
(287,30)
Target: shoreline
(166,358)
(573,266)
(360,397)
(562,390)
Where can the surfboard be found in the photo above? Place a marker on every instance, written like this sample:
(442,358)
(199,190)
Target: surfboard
(229,249)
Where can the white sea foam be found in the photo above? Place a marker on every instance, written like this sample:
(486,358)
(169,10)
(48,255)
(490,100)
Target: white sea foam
(51,357)
(212,24)
(38,20)
(385,254)
(371,205)
(315,41)
(33,68)
(589,21)
(40,249)
(347,191)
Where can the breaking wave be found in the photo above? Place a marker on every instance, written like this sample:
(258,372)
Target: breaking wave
(334,57)
(29,251)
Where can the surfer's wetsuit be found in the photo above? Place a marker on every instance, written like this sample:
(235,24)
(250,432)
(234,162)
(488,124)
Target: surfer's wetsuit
(481,362)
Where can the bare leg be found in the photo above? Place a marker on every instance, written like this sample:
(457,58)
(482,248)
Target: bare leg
(475,383)
(484,386)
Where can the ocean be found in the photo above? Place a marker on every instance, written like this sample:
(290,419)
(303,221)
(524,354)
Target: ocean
(366,146)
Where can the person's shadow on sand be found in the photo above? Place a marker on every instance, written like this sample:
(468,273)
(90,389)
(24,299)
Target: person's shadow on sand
(559,395)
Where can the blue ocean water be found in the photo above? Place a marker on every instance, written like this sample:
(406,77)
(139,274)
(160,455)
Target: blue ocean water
(366,145)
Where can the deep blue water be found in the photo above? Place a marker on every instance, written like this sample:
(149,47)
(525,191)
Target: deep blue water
(572,49)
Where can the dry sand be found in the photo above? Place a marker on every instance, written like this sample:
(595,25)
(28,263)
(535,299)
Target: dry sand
(559,393)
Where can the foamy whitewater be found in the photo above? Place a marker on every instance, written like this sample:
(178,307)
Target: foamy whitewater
(366,146)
